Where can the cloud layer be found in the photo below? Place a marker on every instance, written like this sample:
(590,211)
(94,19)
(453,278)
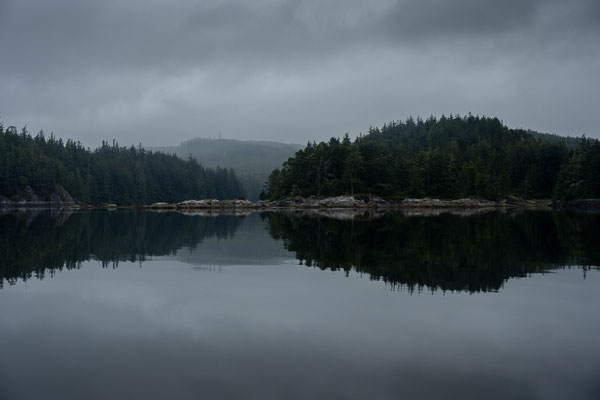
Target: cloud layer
(157,73)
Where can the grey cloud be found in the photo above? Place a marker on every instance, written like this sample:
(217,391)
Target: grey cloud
(93,36)
(292,70)
(464,17)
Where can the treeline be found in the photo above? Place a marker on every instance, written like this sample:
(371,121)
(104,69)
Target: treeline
(40,168)
(449,157)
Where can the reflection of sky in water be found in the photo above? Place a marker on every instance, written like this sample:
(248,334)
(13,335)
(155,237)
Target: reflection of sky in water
(167,330)
(252,246)
(238,318)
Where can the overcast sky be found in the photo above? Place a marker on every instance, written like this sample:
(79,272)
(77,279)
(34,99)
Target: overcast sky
(159,72)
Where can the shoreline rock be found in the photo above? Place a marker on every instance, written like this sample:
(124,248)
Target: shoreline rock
(338,202)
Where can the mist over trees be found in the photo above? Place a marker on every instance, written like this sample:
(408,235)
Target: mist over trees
(251,160)
(48,169)
(449,157)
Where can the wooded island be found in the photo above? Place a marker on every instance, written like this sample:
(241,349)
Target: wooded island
(448,158)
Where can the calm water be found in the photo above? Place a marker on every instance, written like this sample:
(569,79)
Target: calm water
(140,305)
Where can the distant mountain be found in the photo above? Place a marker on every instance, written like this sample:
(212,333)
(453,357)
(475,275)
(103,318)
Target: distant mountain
(252,160)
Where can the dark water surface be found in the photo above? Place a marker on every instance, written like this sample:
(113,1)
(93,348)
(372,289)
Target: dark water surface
(141,305)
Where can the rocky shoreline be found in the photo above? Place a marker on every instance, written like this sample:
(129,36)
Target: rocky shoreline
(346,202)
(339,202)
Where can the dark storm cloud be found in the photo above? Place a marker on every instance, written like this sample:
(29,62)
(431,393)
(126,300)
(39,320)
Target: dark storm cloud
(293,70)
(431,18)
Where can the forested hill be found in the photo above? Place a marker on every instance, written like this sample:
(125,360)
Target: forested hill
(252,160)
(449,157)
(570,141)
(47,169)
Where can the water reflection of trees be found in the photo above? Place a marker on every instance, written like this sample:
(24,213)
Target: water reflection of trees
(36,244)
(447,252)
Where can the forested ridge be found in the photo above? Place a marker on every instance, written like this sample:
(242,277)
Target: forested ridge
(449,157)
(36,168)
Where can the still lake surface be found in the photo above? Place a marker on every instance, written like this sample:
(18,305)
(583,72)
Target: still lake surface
(144,305)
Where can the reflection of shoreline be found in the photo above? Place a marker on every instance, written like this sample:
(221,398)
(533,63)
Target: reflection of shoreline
(59,215)
(468,249)
(335,213)
(476,252)
(351,213)
(36,210)
(340,213)
(340,202)
(210,213)
(34,243)
(347,213)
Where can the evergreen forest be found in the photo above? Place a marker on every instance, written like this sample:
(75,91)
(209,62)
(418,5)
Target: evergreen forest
(36,168)
(450,157)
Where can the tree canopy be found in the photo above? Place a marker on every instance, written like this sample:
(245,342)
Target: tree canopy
(39,167)
(449,157)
